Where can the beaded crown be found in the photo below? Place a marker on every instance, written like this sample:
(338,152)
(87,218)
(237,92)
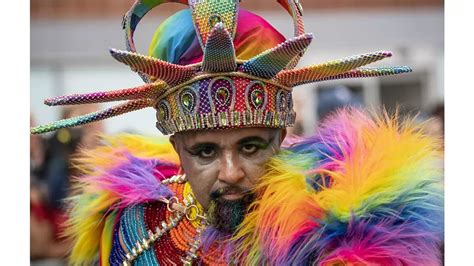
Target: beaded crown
(220,91)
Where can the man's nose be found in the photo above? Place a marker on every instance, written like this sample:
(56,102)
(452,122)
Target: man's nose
(231,171)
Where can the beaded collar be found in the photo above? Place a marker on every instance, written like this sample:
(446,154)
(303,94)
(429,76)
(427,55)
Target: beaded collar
(168,230)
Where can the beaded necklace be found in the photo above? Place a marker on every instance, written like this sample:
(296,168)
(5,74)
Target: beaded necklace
(185,238)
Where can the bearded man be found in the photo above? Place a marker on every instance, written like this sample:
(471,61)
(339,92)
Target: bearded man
(365,190)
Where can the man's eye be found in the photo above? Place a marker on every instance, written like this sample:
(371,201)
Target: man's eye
(249,148)
(207,153)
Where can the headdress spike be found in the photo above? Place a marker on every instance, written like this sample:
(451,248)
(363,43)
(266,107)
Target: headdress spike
(295,9)
(274,60)
(95,116)
(172,74)
(150,90)
(317,72)
(219,54)
(369,72)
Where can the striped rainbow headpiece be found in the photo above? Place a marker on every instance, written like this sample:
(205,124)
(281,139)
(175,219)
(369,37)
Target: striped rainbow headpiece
(215,66)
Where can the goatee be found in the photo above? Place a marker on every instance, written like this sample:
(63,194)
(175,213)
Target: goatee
(226,215)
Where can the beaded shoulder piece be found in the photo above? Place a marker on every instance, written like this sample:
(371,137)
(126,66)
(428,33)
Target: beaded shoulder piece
(164,232)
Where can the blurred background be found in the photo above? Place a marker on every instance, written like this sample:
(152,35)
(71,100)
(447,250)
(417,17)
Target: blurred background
(69,54)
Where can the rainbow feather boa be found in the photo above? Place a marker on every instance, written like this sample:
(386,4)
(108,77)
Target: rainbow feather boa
(365,190)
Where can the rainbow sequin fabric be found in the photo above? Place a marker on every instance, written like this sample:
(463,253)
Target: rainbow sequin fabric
(217,66)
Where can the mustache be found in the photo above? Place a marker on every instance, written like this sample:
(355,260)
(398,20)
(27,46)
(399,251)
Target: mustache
(229,190)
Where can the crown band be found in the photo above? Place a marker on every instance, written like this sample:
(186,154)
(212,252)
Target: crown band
(229,74)
(258,118)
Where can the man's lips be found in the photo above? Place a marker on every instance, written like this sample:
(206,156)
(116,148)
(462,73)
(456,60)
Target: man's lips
(232,195)
(229,193)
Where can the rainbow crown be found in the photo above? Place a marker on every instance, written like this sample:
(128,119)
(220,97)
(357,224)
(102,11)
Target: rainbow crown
(219,91)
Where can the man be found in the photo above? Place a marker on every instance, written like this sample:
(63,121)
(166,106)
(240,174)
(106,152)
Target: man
(364,191)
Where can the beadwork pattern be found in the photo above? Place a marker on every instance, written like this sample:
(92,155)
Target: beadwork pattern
(172,74)
(127,107)
(219,54)
(160,232)
(228,102)
(320,71)
(272,61)
(207,14)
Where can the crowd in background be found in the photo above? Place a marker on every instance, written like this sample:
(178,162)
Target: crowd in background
(51,174)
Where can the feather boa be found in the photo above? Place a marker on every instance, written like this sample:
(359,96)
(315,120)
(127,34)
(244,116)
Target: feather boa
(366,190)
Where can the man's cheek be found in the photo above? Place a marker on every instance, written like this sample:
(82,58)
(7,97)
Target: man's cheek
(201,186)
(255,169)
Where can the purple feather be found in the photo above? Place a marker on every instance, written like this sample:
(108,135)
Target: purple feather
(137,180)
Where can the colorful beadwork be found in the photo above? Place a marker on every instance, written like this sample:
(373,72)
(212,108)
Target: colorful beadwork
(188,100)
(208,14)
(163,110)
(171,227)
(213,93)
(256,97)
(219,54)
(272,61)
(222,95)
(127,107)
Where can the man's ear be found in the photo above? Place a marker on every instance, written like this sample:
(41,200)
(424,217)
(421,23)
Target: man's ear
(173,142)
(282,135)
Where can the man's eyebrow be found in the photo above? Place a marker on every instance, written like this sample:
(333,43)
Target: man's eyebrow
(202,145)
(253,139)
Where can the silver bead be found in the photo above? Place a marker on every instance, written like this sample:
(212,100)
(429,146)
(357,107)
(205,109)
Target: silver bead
(139,247)
(173,222)
(164,226)
(145,243)
(191,254)
(186,261)
(194,246)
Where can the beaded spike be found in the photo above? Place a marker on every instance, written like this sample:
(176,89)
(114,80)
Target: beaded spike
(369,72)
(320,71)
(149,91)
(272,61)
(129,106)
(295,10)
(219,54)
(172,74)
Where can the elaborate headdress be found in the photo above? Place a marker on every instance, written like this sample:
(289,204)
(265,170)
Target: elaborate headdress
(221,89)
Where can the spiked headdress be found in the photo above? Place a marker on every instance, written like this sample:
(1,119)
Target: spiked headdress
(220,91)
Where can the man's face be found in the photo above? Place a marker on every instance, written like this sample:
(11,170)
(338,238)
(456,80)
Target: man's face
(223,165)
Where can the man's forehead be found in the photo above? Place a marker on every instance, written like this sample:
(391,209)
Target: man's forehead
(227,135)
